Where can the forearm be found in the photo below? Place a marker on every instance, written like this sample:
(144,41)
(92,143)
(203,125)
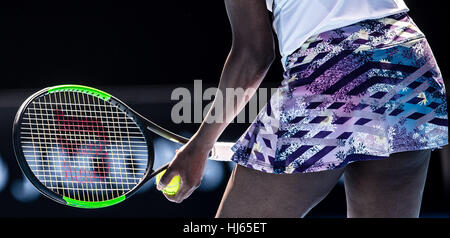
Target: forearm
(244,70)
(252,53)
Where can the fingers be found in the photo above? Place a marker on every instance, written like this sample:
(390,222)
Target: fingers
(166,178)
(189,166)
(184,192)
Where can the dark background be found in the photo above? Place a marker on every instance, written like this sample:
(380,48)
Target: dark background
(140,52)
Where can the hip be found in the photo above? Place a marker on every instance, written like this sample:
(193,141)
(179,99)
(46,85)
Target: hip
(365,36)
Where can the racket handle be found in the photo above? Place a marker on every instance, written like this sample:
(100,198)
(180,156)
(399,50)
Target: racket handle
(222,151)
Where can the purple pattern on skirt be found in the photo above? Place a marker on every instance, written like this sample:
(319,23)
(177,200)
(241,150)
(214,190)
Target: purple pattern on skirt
(361,92)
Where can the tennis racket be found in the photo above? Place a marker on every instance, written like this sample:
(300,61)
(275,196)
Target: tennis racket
(83,147)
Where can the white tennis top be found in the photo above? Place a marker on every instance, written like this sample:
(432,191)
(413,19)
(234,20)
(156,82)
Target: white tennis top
(297,20)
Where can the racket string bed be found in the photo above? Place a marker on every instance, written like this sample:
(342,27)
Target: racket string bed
(82,147)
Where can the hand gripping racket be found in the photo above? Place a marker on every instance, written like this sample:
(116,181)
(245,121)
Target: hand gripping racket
(84,148)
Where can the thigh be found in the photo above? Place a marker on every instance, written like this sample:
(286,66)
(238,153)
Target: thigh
(391,187)
(252,193)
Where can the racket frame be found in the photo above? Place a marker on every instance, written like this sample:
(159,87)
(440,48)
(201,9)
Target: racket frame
(149,129)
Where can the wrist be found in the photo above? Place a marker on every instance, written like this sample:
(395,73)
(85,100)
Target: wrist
(201,144)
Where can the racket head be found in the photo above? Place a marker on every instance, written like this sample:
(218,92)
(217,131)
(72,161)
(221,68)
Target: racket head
(82,147)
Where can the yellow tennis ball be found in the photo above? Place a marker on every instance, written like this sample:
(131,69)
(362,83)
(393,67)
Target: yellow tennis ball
(172,188)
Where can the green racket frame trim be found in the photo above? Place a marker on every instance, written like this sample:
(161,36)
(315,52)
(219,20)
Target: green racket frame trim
(73,87)
(86,204)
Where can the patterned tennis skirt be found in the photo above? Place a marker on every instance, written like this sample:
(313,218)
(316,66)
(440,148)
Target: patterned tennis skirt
(361,92)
